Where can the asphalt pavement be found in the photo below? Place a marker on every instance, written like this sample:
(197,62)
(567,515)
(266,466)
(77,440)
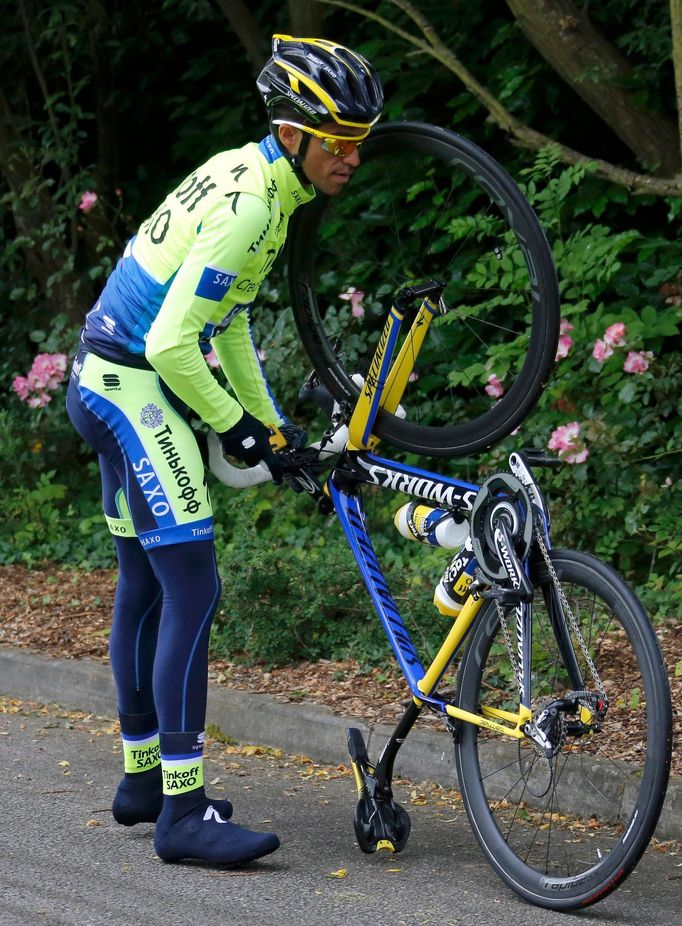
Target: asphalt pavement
(65,860)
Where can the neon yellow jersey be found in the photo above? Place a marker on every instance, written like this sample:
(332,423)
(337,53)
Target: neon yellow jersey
(191,273)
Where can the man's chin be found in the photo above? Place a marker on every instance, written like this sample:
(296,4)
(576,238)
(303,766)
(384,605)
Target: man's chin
(336,183)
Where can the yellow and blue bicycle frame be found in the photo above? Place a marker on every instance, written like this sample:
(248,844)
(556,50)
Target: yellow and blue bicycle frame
(383,389)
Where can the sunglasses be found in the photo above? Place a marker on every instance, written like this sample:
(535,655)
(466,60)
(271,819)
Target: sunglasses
(338,145)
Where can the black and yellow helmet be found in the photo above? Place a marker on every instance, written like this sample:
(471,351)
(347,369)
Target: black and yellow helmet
(322,82)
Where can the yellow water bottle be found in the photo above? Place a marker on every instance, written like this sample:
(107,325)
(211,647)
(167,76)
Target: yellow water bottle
(453,588)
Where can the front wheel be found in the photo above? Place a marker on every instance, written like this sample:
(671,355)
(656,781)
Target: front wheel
(429,204)
(564,832)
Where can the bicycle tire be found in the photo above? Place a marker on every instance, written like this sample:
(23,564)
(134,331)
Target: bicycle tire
(467,223)
(540,844)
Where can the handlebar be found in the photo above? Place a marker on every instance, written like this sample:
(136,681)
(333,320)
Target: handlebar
(331,444)
(238,478)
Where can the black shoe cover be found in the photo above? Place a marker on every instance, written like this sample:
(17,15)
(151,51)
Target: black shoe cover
(204,833)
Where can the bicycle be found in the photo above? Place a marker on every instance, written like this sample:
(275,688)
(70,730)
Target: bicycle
(560,657)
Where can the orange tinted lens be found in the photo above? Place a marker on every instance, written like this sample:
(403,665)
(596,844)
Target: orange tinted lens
(340,147)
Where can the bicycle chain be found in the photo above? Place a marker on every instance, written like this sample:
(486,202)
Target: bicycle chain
(575,627)
(567,609)
(510,646)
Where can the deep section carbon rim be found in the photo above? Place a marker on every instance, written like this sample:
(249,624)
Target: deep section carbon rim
(564,832)
(426,204)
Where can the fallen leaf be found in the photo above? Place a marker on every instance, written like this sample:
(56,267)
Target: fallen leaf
(340,873)
(93,822)
(64,763)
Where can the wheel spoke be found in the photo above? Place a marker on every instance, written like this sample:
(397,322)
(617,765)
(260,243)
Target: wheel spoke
(593,806)
(430,205)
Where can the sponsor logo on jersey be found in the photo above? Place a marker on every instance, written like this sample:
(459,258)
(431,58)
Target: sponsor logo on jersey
(151,416)
(187,491)
(152,491)
(111,382)
(214,283)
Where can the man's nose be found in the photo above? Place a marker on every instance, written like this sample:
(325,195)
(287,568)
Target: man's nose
(352,159)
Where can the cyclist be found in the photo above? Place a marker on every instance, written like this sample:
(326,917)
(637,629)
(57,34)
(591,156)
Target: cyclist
(185,283)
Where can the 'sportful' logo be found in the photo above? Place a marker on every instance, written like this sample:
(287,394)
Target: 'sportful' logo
(151,416)
(111,381)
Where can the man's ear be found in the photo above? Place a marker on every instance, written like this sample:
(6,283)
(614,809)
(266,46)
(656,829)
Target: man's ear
(290,137)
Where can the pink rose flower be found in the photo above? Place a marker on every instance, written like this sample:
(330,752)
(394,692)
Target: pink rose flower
(601,350)
(567,441)
(39,400)
(565,326)
(637,361)
(37,379)
(563,437)
(355,297)
(88,200)
(261,354)
(46,373)
(578,457)
(212,360)
(494,387)
(564,346)
(20,386)
(413,377)
(615,334)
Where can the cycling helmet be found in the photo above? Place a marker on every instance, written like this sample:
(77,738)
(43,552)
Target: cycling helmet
(321,81)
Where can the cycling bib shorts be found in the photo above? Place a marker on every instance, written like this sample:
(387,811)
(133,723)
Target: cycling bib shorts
(156,486)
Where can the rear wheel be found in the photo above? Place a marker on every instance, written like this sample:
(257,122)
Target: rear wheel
(564,832)
(429,204)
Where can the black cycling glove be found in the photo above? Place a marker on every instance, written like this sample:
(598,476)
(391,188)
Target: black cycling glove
(249,440)
(295,436)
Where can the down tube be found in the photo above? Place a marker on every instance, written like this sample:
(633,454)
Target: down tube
(351,515)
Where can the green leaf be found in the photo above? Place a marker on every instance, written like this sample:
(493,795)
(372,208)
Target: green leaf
(626,393)
(678,669)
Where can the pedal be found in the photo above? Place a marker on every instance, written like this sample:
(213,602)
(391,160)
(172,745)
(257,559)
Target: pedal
(380,823)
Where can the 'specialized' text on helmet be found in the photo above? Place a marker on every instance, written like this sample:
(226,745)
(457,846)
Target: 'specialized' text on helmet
(321,81)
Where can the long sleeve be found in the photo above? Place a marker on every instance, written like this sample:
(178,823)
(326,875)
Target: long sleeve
(239,359)
(193,304)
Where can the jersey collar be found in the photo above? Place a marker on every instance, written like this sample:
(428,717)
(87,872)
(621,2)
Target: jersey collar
(292,188)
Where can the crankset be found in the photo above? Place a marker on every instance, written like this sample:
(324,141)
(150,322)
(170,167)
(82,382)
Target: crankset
(502,533)
(380,822)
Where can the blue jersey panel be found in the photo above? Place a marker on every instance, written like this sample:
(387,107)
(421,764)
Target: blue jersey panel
(129,303)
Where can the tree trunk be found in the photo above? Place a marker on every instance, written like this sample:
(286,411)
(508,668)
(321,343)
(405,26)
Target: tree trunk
(255,42)
(676,29)
(305,19)
(596,70)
